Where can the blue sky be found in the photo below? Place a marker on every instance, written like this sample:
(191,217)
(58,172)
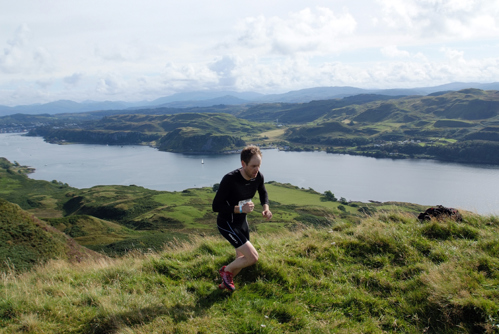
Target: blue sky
(135,50)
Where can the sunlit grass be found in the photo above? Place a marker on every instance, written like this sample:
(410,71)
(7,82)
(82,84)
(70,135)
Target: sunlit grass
(273,135)
(383,274)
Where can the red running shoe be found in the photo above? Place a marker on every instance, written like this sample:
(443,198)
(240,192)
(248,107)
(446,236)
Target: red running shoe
(222,285)
(227,279)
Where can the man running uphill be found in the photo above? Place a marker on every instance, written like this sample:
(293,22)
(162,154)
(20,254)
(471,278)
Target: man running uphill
(233,203)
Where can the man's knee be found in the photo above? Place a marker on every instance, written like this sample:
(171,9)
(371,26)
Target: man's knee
(253,258)
(249,252)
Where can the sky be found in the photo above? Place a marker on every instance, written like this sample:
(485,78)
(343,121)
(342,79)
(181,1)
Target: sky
(138,50)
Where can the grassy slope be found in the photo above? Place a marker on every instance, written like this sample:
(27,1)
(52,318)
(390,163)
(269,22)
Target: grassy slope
(458,126)
(467,105)
(386,273)
(40,197)
(26,241)
(187,132)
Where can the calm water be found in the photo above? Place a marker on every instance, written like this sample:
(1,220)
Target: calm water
(427,182)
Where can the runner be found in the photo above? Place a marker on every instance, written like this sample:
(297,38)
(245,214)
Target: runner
(233,202)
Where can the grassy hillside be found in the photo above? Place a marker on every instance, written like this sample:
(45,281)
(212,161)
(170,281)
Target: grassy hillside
(26,241)
(457,126)
(387,273)
(187,132)
(41,198)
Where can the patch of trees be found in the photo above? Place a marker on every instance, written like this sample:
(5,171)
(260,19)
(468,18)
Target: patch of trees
(484,152)
(329,196)
(93,136)
(183,141)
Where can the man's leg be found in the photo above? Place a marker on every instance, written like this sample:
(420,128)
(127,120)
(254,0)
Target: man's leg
(246,255)
(238,255)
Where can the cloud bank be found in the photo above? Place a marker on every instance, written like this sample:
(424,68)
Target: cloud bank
(145,50)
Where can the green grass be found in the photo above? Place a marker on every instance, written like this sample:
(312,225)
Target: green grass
(8,185)
(26,241)
(88,230)
(381,275)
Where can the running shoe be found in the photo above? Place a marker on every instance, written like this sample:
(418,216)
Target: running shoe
(227,279)
(222,285)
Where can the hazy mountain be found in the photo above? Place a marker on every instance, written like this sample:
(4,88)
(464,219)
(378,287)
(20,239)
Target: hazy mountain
(210,98)
(325,93)
(310,94)
(328,93)
(64,106)
(226,100)
(454,86)
(205,95)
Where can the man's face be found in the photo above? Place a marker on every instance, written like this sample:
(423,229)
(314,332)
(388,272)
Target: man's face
(250,170)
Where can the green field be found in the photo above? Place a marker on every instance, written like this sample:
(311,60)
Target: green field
(388,273)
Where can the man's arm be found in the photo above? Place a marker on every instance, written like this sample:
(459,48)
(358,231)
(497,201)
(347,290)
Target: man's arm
(264,200)
(220,202)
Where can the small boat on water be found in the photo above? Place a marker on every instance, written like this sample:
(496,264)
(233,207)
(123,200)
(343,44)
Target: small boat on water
(202,161)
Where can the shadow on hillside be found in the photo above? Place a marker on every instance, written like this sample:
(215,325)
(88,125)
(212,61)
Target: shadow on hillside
(113,323)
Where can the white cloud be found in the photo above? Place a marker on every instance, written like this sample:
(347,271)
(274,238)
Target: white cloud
(392,51)
(442,18)
(225,69)
(111,84)
(145,50)
(73,79)
(190,76)
(44,84)
(129,51)
(307,31)
(453,55)
(20,55)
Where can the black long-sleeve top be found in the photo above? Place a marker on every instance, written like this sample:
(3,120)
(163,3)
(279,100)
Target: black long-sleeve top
(234,188)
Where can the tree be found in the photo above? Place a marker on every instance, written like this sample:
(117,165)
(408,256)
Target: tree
(329,196)
(215,187)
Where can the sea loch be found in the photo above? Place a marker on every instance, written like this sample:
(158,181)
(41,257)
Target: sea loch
(426,182)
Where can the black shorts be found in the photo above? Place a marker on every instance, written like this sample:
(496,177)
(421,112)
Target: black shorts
(236,233)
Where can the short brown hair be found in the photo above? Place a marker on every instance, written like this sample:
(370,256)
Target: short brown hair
(248,152)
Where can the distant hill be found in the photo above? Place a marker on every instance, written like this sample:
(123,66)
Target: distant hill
(326,93)
(205,95)
(211,98)
(459,126)
(64,106)
(310,94)
(26,241)
(189,132)
(223,100)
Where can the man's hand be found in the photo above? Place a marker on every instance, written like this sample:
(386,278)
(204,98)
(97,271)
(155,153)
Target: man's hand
(248,207)
(266,212)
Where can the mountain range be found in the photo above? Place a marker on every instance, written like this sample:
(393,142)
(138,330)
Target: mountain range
(211,98)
